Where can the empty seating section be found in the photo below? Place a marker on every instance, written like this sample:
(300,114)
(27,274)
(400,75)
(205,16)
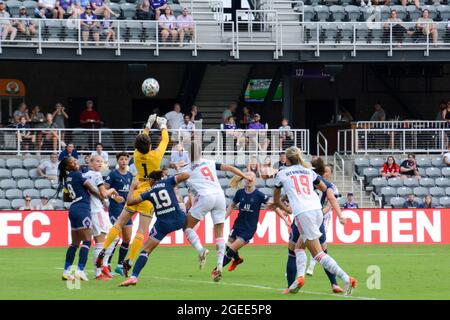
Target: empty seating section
(434,181)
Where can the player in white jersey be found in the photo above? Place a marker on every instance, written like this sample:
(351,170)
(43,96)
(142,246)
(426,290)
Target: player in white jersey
(100,218)
(298,181)
(208,198)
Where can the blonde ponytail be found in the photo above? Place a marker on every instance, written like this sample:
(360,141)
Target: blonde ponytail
(295,156)
(236,182)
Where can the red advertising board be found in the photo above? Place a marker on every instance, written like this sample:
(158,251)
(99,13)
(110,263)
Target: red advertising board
(364,226)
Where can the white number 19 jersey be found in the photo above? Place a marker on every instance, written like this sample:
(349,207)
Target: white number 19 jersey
(297,182)
(203,180)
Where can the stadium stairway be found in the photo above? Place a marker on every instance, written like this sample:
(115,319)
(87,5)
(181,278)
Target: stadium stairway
(220,86)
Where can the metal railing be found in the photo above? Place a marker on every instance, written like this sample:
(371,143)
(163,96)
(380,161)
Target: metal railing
(345,141)
(339,165)
(214,142)
(402,124)
(322,145)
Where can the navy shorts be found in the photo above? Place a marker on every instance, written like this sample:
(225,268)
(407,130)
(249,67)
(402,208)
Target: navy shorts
(295,234)
(114,216)
(80,217)
(242,234)
(162,228)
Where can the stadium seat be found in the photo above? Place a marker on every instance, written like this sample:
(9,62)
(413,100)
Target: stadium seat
(433,172)
(397,202)
(2,163)
(42,184)
(13,194)
(33,193)
(377,162)
(421,171)
(30,163)
(447,191)
(13,6)
(5,174)
(404,191)
(48,192)
(353,12)
(230,192)
(437,161)
(322,12)
(33,174)
(342,201)
(17,203)
(423,162)
(8,184)
(379,183)
(270,183)
(30,6)
(19,173)
(58,204)
(410,182)
(25,184)
(444,201)
(2,194)
(442,182)
(388,193)
(129,10)
(437,192)
(370,174)
(224,182)
(395,182)
(427,182)
(414,13)
(267,191)
(444,10)
(5,204)
(308,13)
(338,12)
(115,7)
(13,163)
(221,174)
(421,192)
(445,171)
(112,162)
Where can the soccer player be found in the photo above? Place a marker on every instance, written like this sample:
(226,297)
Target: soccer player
(208,197)
(145,161)
(100,217)
(298,180)
(169,215)
(250,201)
(120,179)
(76,191)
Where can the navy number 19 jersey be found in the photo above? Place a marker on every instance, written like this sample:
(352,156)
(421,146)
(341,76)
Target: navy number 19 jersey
(162,196)
(249,207)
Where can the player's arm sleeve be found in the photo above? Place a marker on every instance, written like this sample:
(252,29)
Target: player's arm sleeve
(236,198)
(218,166)
(326,182)
(317,179)
(278,183)
(163,144)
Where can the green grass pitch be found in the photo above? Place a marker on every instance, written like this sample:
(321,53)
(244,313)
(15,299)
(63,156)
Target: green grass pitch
(407,272)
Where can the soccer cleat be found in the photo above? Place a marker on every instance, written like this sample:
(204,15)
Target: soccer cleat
(102,276)
(310,271)
(151,121)
(106,272)
(67,276)
(352,283)
(81,275)
(202,258)
(99,261)
(119,270)
(336,289)
(126,267)
(216,275)
(285,291)
(129,282)
(296,285)
(235,263)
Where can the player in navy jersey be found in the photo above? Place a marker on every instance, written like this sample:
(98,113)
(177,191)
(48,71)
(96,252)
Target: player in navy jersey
(169,216)
(120,179)
(76,191)
(249,201)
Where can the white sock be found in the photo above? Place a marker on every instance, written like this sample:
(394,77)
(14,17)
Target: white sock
(220,246)
(194,240)
(300,259)
(97,248)
(108,253)
(328,263)
(312,262)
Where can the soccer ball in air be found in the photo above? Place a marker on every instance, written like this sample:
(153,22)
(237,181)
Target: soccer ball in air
(150,87)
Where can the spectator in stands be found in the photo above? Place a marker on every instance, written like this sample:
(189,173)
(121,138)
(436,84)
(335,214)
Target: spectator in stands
(286,135)
(446,157)
(345,115)
(37,118)
(350,203)
(174,117)
(411,202)
(230,127)
(59,118)
(5,25)
(158,6)
(99,8)
(143,10)
(282,160)
(108,28)
(398,29)
(24,136)
(22,111)
(426,26)
(443,107)
(25,25)
(187,128)
(27,205)
(64,8)
(266,170)
(195,114)
(410,2)
(379,114)
(89,25)
(46,9)
(179,157)
(427,202)
(45,204)
(78,8)
(185,25)
(85,167)
(49,135)
(49,168)
(390,169)
(408,168)
(259,137)
(100,152)
(247,117)
(69,151)
(256,124)
(445,113)
(253,166)
(168,25)
(229,112)
(90,118)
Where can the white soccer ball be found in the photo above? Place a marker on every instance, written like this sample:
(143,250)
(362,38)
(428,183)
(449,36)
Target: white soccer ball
(150,87)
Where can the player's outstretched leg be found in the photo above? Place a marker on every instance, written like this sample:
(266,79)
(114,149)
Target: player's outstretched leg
(300,261)
(113,233)
(70,257)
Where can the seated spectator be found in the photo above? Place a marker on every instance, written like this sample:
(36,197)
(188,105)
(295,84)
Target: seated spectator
(195,114)
(108,28)
(49,135)
(427,202)
(398,29)
(143,10)
(179,157)
(24,136)
(443,107)
(45,204)
(90,118)
(22,111)
(168,25)
(69,151)
(99,152)
(379,114)
(286,135)
(390,169)
(282,160)
(408,168)
(175,117)
(350,203)
(37,118)
(266,170)
(230,124)
(230,127)
(185,25)
(64,8)
(247,118)
(89,25)
(256,124)
(253,166)
(411,202)
(27,206)
(427,27)
(5,24)
(186,130)
(85,167)
(25,25)
(49,168)
(446,157)
(46,9)
(345,115)
(157,6)
(259,137)
(99,8)
(229,112)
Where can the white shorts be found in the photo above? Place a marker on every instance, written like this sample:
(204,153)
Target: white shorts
(308,224)
(214,203)
(100,222)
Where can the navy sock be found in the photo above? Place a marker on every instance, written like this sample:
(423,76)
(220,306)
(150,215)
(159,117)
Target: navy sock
(111,255)
(140,263)
(331,276)
(229,255)
(291,268)
(83,255)
(123,250)
(70,256)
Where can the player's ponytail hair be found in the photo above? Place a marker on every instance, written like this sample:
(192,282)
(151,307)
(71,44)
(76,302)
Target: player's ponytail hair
(318,165)
(295,156)
(236,182)
(156,175)
(62,175)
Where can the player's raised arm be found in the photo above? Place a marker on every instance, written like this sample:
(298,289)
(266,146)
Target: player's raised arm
(277,203)
(331,198)
(180,177)
(162,123)
(236,171)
